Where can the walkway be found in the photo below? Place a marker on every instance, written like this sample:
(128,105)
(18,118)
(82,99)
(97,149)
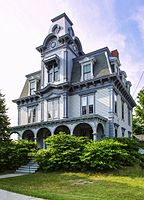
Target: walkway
(10,175)
(5,195)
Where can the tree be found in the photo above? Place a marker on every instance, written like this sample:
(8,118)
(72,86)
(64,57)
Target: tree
(4,120)
(138,118)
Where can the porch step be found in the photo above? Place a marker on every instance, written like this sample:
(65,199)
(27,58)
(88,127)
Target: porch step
(31,167)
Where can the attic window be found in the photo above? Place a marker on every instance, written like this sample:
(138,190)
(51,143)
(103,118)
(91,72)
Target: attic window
(32,87)
(87,71)
(87,68)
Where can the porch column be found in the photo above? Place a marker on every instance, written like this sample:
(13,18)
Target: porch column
(94,136)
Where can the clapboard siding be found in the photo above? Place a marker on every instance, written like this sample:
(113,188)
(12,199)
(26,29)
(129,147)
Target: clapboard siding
(24,115)
(74,106)
(123,123)
(102,103)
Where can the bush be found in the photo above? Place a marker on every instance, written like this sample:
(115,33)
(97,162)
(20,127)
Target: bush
(132,147)
(63,152)
(66,152)
(104,155)
(14,153)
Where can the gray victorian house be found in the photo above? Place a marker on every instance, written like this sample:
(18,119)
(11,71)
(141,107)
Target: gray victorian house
(77,93)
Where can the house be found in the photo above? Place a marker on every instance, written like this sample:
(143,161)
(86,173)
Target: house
(77,93)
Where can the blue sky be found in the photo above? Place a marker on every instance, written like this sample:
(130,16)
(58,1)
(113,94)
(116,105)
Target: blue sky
(24,24)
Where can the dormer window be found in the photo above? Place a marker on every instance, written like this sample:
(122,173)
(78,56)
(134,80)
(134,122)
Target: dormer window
(87,68)
(32,87)
(87,73)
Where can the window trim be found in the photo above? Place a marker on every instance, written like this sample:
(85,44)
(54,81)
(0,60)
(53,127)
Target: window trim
(84,62)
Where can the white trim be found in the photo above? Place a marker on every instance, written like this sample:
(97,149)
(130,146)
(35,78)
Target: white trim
(109,67)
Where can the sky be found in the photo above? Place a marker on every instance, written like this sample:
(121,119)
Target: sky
(24,24)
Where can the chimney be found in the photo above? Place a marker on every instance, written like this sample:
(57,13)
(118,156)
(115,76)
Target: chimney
(115,53)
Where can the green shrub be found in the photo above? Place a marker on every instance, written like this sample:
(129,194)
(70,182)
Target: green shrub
(14,153)
(63,152)
(104,155)
(66,152)
(132,147)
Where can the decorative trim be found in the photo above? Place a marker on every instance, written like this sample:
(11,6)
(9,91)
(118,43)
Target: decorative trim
(61,16)
(59,122)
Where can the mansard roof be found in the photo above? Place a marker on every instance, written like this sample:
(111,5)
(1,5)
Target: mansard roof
(100,67)
(25,89)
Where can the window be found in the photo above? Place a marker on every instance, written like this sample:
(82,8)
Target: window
(84,105)
(87,71)
(53,73)
(53,109)
(115,103)
(32,87)
(122,107)
(31,114)
(50,74)
(90,103)
(50,109)
(129,116)
(123,132)
(87,64)
(87,103)
(56,74)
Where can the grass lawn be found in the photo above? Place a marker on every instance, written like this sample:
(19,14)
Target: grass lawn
(126,184)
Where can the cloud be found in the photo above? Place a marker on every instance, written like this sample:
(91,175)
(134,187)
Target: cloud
(138,17)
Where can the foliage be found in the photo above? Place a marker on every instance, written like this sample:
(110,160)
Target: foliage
(4,120)
(104,155)
(67,152)
(14,153)
(138,119)
(63,152)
